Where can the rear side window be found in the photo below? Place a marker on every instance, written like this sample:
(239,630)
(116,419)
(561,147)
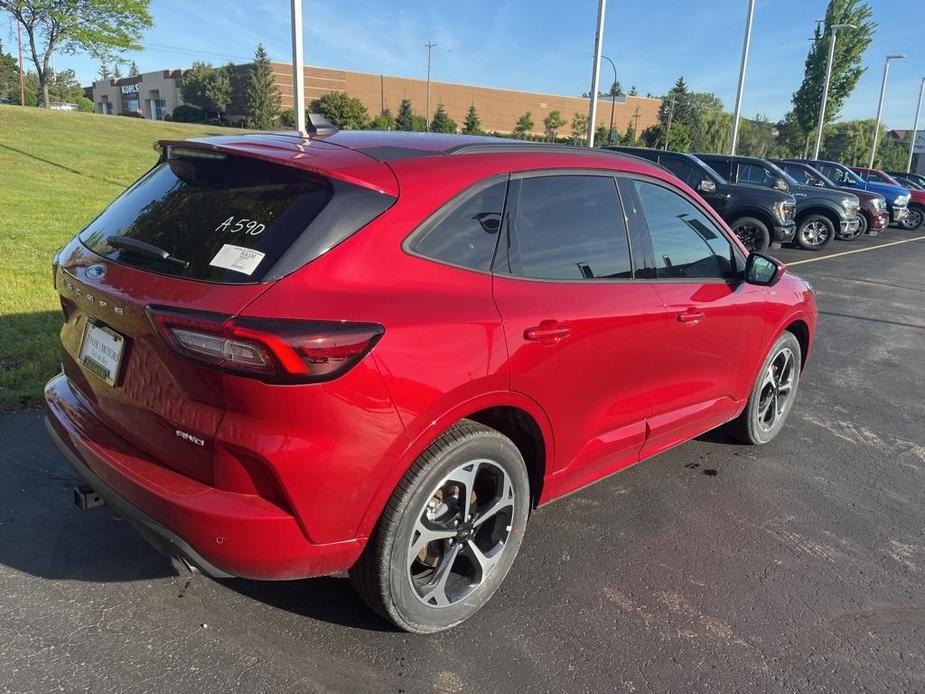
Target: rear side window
(227,219)
(569,228)
(685,243)
(466,232)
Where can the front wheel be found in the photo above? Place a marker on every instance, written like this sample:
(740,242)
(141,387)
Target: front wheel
(753,233)
(772,396)
(915,218)
(450,532)
(815,232)
(862,228)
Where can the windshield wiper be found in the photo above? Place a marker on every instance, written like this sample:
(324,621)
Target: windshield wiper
(126,243)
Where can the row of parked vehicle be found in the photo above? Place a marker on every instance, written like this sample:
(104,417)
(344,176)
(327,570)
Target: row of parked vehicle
(803,201)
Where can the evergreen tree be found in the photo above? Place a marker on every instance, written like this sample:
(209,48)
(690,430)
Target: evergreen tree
(263,100)
(632,91)
(472,125)
(405,118)
(616,89)
(104,72)
(552,123)
(524,125)
(441,122)
(675,104)
(116,72)
(133,70)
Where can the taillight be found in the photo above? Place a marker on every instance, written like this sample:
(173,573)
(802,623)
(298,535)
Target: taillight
(273,350)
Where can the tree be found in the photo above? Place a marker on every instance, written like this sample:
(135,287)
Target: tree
(262,98)
(105,74)
(846,65)
(133,70)
(674,103)
(218,89)
(98,27)
(441,122)
(196,83)
(84,104)
(418,123)
(346,112)
(472,125)
(63,86)
(616,89)
(524,125)
(405,119)
(116,72)
(632,91)
(31,89)
(579,126)
(601,134)
(552,123)
(383,121)
(9,73)
(629,139)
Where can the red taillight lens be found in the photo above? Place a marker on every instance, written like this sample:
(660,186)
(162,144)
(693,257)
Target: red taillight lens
(274,350)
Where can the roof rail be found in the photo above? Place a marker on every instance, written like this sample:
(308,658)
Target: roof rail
(544,147)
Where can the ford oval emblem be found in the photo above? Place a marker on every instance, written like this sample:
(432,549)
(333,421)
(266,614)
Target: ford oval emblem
(94,272)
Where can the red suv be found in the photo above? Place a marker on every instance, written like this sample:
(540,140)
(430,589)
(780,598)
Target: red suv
(287,357)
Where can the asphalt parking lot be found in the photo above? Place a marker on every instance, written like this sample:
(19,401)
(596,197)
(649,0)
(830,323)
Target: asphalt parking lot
(714,567)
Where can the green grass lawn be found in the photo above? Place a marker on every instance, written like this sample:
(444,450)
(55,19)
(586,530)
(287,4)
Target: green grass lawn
(58,170)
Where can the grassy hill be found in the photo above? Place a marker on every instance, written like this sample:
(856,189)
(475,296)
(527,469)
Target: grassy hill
(58,170)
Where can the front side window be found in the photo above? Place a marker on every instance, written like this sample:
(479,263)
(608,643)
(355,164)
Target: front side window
(800,175)
(465,234)
(720,166)
(685,242)
(684,170)
(756,175)
(569,228)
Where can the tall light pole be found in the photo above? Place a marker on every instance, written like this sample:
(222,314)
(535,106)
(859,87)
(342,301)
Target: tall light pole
(595,74)
(825,85)
(742,70)
(886,72)
(915,127)
(430,45)
(612,97)
(298,67)
(22,82)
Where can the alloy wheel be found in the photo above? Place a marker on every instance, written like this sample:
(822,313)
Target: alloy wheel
(914,218)
(774,398)
(815,233)
(460,533)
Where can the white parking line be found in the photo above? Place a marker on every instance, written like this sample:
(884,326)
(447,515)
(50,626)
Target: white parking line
(857,250)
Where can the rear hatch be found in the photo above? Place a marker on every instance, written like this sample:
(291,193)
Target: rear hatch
(200,236)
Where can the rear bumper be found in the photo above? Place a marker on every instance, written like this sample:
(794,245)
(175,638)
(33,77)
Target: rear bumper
(784,233)
(221,533)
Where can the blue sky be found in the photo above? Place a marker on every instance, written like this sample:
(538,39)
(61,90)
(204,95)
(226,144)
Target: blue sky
(546,46)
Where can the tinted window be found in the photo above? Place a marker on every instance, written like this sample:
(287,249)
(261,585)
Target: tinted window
(213,214)
(720,166)
(799,174)
(685,243)
(465,233)
(684,170)
(756,175)
(569,227)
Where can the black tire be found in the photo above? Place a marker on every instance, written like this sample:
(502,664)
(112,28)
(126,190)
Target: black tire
(863,225)
(815,232)
(405,586)
(753,233)
(915,218)
(752,426)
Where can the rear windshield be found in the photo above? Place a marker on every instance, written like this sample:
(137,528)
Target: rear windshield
(224,219)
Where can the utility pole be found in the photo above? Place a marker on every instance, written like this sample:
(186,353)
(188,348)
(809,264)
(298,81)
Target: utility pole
(636,125)
(596,70)
(746,43)
(612,98)
(886,72)
(298,67)
(22,81)
(430,45)
(825,85)
(915,127)
(670,118)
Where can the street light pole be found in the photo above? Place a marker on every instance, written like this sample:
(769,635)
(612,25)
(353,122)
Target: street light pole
(886,72)
(430,45)
(825,85)
(742,69)
(612,97)
(595,74)
(298,67)
(915,127)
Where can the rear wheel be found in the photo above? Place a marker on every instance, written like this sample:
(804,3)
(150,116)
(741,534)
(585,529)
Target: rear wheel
(815,232)
(450,532)
(753,233)
(915,218)
(772,396)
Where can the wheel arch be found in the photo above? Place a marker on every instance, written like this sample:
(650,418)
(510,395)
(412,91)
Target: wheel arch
(826,211)
(756,212)
(800,331)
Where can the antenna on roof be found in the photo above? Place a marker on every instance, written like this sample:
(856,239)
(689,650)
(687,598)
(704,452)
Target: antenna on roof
(319,125)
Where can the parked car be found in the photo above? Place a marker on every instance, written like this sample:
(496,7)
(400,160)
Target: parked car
(907,183)
(759,217)
(820,215)
(379,357)
(897,198)
(916,216)
(917,178)
(873,215)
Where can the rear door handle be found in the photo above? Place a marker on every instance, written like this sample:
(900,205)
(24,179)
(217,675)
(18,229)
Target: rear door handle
(691,315)
(548,331)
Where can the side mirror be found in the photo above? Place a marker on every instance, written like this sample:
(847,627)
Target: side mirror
(818,184)
(781,185)
(706,186)
(762,270)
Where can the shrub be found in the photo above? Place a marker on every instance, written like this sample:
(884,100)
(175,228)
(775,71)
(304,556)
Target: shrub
(187,113)
(84,104)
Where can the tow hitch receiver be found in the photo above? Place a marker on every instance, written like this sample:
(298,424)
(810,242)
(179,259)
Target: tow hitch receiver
(85,498)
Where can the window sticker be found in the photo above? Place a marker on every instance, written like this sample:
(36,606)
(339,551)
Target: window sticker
(237,258)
